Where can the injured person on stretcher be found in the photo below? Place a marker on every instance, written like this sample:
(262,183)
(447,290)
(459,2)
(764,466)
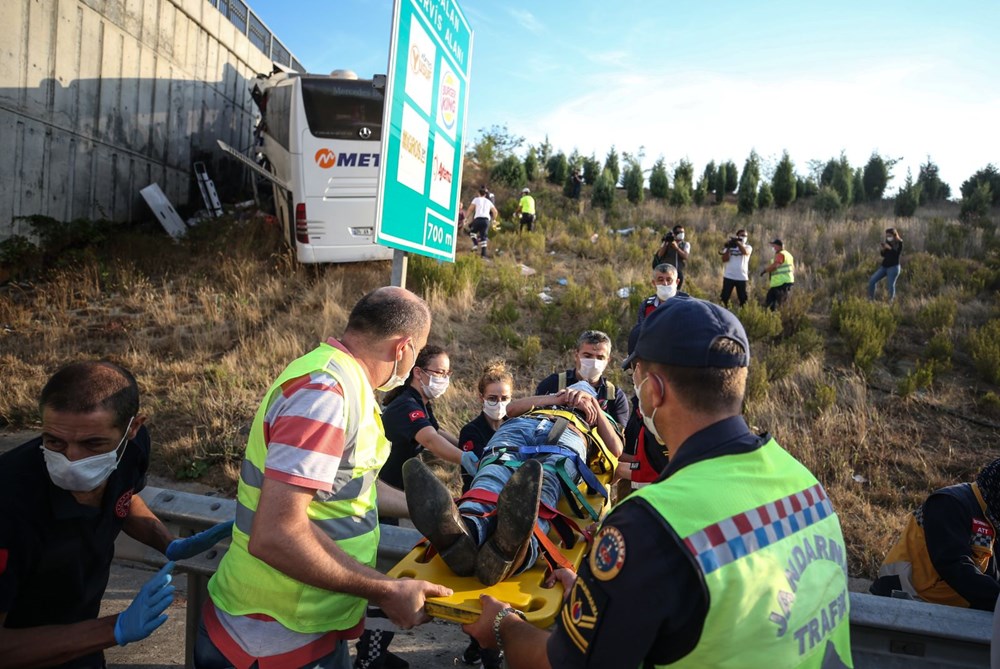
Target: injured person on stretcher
(498,527)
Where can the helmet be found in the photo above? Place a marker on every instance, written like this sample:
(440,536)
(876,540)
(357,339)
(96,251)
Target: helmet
(526,191)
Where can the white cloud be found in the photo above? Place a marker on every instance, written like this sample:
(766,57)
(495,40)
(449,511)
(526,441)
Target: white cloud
(526,20)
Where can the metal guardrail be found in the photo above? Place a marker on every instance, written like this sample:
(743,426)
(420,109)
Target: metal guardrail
(186,513)
(885,633)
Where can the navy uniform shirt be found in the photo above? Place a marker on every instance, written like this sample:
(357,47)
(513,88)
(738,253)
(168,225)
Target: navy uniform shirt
(617,407)
(55,553)
(474,437)
(639,599)
(402,419)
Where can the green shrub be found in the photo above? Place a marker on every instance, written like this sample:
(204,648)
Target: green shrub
(828,202)
(794,312)
(989,403)
(984,347)
(531,348)
(938,314)
(757,382)
(822,399)
(760,323)
(451,278)
(603,194)
(506,314)
(939,350)
(780,360)
(504,334)
(920,378)
(866,328)
(807,341)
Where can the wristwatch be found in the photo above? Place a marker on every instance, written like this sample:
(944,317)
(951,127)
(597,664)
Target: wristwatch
(501,614)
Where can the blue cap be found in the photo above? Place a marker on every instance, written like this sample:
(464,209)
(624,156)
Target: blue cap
(681,331)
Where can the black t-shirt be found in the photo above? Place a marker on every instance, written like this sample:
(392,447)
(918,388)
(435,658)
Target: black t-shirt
(55,554)
(474,437)
(647,601)
(402,419)
(617,408)
(890,258)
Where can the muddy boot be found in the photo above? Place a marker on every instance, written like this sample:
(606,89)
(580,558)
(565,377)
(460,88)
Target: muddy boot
(435,516)
(517,511)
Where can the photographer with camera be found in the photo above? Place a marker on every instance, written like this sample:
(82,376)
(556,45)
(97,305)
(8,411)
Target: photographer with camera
(736,255)
(673,251)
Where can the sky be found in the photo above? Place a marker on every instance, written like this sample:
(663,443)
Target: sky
(707,81)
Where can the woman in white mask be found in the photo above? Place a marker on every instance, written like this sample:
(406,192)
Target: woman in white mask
(409,421)
(496,384)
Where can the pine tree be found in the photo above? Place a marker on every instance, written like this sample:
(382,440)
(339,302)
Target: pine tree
(764,196)
(558,169)
(932,189)
(633,181)
(531,164)
(732,177)
(858,187)
(746,202)
(720,183)
(611,165)
(701,191)
(907,198)
(591,169)
(877,174)
(783,185)
(659,182)
(603,194)
(681,196)
(708,176)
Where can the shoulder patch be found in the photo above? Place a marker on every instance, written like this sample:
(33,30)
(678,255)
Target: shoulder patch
(608,555)
(580,614)
(468,445)
(417,415)
(123,504)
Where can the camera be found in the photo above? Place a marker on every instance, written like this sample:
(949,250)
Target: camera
(732,243)
(667,238)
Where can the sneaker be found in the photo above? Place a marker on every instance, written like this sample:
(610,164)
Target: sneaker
(435,516)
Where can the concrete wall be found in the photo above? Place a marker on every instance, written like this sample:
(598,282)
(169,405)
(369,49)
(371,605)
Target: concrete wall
(99,98)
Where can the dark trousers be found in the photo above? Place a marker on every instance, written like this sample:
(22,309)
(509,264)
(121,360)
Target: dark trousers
(776,296)
(727,291)
(527,220)
(480,230)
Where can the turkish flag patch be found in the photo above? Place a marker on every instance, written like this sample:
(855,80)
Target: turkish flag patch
(980,527)
(417,415)
(468,446)
(3,560)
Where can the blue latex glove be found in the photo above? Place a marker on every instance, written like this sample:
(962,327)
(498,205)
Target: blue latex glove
(470,462)
(182,549)
(143,615)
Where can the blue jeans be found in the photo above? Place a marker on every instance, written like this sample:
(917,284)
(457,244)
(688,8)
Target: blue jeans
(208,656)
(515,433)
(892,273)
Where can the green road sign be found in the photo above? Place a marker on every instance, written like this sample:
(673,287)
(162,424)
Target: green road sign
(423,130)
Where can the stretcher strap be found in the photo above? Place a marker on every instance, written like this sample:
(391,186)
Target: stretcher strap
(556,449)
(550,551)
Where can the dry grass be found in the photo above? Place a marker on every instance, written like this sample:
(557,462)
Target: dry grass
(208,323)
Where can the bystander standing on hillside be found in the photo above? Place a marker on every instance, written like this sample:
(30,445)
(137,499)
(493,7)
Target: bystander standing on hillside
(526,210)
(674,250)
(890,250)
(782,271)
(736,255)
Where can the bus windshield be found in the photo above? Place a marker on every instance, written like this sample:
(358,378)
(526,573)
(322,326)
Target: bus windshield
(340,108)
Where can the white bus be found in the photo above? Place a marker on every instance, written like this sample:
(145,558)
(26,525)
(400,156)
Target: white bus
(321,135)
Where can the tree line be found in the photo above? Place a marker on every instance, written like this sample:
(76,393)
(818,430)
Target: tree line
(830,186)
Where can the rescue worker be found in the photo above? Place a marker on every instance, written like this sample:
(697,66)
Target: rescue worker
(665,284)
(733,558)
(296,581)
(593,351)
(64,498)
(945,555)
(526,209)
(482,211)
(782,271)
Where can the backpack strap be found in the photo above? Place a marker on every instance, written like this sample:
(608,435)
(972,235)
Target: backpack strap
(562,380)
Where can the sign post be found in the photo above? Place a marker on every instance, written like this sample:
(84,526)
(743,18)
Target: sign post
(423,130)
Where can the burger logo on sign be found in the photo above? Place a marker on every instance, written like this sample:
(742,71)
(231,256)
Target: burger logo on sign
(449,100)
(326,158)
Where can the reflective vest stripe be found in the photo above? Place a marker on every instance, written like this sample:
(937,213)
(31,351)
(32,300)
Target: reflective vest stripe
(347,488)
(740,535)
(335,528)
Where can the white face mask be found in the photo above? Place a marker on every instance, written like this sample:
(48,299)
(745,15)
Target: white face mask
(679,236)
(435,386)
(889,239)
(396,380)
(495,411)
(664,293)
(591,368)
(648,420)
(85,474)
(742,239)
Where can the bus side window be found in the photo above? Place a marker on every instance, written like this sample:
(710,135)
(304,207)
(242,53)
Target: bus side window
(277,119)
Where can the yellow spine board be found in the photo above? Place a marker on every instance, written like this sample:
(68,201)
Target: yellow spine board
(525,591)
